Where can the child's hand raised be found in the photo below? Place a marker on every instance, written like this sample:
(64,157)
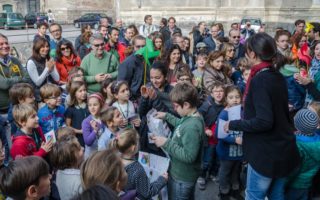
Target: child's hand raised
(144,91)
(47,146)
(208,132)
(124,123)
(94,125)
(136,122)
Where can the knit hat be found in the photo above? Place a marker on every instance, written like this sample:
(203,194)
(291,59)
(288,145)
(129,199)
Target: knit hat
(201,45)
(306,121)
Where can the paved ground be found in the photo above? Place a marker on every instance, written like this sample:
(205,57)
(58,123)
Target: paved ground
(210,193)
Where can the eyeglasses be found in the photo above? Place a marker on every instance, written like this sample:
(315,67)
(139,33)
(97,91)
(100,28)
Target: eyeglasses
(64,48)
(229,50)
(139,46)
(234,37)
(99,45)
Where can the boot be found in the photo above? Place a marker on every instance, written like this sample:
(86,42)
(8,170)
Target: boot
(237,194)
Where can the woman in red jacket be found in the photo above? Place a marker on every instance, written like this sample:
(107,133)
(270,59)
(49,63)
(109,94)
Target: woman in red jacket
(66,59)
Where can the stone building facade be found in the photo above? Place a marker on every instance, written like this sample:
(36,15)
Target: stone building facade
(21,6)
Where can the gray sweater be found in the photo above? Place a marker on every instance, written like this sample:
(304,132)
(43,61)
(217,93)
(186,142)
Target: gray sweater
(68,183)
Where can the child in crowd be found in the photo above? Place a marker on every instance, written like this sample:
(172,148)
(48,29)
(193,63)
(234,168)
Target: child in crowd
(229,151)
(66,157)
(75,74)
(185,145)
(112,119)
(29,139)
(62,131)
(26,178)
(185,76)
(210,110)
(242,82)
(51,115)
(128,145)
(106,91)
(97,192)
(121,93)
(42,32)
(92,125)
(19,93)
(200,65)
(77,110)
(106,168)
(306,122)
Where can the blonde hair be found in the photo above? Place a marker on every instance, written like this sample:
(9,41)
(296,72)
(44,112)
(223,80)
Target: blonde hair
(104,167)
(21,113)
(49,90)
(20,91)
(126,139)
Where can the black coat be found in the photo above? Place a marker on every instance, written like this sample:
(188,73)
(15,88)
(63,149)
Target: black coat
(268,141)
(132,71)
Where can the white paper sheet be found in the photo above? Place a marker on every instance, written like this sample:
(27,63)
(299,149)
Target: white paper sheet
(221,132)
(234,113)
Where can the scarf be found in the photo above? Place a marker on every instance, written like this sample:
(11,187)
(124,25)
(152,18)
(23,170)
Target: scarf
(254,70)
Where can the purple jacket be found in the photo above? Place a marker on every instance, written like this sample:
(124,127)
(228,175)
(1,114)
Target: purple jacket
(89,135)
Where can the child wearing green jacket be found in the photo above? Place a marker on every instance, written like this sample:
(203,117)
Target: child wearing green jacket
(185,145)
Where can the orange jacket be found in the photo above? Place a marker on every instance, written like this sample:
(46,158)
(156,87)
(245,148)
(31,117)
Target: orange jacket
(66,65)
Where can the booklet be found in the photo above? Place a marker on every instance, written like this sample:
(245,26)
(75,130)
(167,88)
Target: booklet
(153,165)
(50,136)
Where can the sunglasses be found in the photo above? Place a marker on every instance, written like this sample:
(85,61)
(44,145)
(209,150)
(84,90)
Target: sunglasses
(139,46)
(64,48)
(99,45)
(236,37)
(231,50)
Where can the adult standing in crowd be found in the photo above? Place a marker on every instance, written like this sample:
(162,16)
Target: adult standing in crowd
(103,30)
(98,65)
(41,68)
(77,42)
(168,31)
(147,28)
(113,46)
(66,60)
(133,70)
(247,31)
(55,30)
(234,38)
(268,142)
(212,42)
(199,34)
(299,26)
(128,35)
(119,25)
(11,72)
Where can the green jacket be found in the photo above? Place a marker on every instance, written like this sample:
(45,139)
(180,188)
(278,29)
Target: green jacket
(185,147)
(93,66)
(10,74)
(309,149)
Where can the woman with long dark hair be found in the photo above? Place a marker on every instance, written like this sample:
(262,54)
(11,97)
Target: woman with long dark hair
(41,68)
(66,59)
(268,141)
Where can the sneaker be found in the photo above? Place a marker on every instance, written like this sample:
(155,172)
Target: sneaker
(201,183)
(237,194)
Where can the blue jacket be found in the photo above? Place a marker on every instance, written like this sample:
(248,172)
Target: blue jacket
(51,119)
(296,93)
(227,149)
(210,43)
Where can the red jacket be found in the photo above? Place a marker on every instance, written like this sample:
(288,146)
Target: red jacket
(66,65)
(24,145)
(120,49)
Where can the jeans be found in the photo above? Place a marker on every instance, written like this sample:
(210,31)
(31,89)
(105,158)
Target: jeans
(209,161)
(229,175)
(297,194)
(180,190)
(259,186)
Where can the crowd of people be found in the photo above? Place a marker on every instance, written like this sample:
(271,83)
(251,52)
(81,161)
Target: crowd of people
(75,116)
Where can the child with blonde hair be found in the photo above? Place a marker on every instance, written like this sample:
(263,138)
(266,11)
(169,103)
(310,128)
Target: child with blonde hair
(127,143)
